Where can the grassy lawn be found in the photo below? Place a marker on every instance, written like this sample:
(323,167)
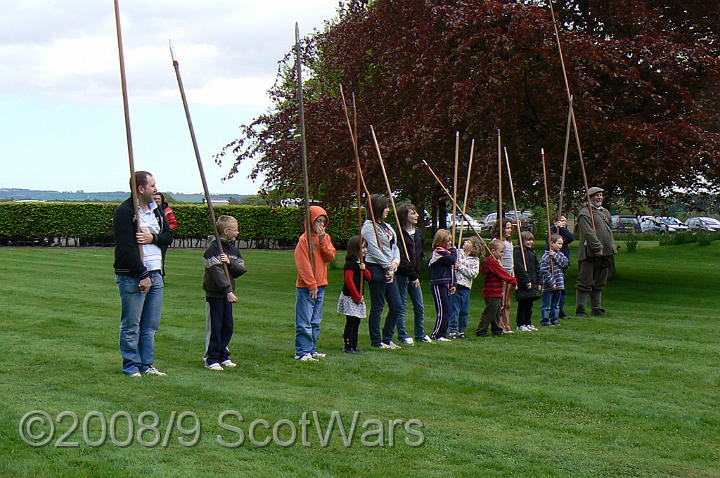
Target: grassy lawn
(631,394)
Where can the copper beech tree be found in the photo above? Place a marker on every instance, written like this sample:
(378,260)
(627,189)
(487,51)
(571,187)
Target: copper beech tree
(644,76)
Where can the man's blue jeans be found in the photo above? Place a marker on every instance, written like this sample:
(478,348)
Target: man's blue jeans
(308,315)
(139,321)
(406,288)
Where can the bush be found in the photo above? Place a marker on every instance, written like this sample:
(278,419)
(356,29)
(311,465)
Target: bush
(631,243)
(703,238)
(677,239)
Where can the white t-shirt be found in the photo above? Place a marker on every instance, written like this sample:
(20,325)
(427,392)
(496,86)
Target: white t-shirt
(152,256)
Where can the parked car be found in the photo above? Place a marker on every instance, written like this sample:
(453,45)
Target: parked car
(661,224)
(526,219)
(459,219)
(703,224)
(489,221)
(671,224)
(625,224)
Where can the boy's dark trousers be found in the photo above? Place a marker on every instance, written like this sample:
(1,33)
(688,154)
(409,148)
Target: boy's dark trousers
(221,329)
(524,311)
(491,316)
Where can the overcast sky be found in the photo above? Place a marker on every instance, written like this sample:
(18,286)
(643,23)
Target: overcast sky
(61,115)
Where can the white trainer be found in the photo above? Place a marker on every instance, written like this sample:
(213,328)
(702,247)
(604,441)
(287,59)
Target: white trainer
(228,363)
(408,341)
(442,339)
(306,358)
(318,355)
(153,371)
(427,339)
(215,367)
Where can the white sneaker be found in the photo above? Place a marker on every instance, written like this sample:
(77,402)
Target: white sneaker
(392,345)
(136,374)
(228,363)
(532,327)
(153,371)
(306,358)
(318,355)
(408,341)
(215,367)
(523,328)
(427,339)
(442,339)
(508,331)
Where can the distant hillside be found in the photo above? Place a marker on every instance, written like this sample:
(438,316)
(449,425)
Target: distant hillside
(14,194)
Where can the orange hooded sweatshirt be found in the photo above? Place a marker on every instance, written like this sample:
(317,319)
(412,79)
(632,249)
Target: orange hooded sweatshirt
(323,252)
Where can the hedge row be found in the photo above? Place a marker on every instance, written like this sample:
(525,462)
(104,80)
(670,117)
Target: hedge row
(93,222)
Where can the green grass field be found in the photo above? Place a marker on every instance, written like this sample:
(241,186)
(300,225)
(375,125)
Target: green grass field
(635,393)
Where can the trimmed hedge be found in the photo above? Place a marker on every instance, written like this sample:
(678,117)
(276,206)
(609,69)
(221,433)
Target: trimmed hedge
(92,222)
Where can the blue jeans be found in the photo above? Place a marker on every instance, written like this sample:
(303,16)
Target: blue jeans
(459,310)
(139,321)
(406,288)
(380,291)
(550,308)
(308,315)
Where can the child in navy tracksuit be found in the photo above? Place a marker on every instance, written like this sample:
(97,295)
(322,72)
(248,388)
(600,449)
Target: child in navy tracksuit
(219,293)
(552,264)
(442,281)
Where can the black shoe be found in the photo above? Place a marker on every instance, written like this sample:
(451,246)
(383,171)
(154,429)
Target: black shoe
(349,350)
(358,351)
(482,333)
(498,333)
(599,312)
(461,335)
(580,314)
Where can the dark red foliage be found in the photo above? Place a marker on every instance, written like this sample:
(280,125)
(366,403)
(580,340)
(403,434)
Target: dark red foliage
(643,75)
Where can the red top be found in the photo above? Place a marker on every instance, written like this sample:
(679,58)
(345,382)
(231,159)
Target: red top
(495,274)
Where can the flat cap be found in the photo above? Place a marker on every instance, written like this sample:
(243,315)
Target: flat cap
(594,190)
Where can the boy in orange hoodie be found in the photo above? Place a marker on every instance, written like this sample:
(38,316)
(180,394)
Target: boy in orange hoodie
(310,285)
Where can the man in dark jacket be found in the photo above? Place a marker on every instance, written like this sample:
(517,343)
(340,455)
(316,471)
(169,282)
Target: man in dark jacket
(140,231)
(596,252)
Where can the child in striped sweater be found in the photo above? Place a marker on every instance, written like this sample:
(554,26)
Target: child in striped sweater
(495,275)
(552,264)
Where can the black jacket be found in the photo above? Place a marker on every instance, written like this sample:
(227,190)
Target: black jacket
(415,243)
(532,274)
(127,253)
(215,282)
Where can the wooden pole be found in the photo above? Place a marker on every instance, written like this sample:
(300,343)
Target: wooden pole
(201,170)
(353,138)
(306,186)
(500,201)
(128,133)
(565,155)
(455,177)
(447,193)
(572,116)
(467,188)
(547,204)
(387,183)
(517,213)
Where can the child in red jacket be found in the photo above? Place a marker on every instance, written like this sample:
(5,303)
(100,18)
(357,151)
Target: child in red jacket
(495,275)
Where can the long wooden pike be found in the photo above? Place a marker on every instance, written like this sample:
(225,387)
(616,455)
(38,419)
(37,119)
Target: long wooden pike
(547,203)
(455,177)
(500,201)
(517,213)
(467,188)
(447,193)
(565,155)
(306,186)
(201,170)
(572,115)
(358,168)
(128,133)
(392,199)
